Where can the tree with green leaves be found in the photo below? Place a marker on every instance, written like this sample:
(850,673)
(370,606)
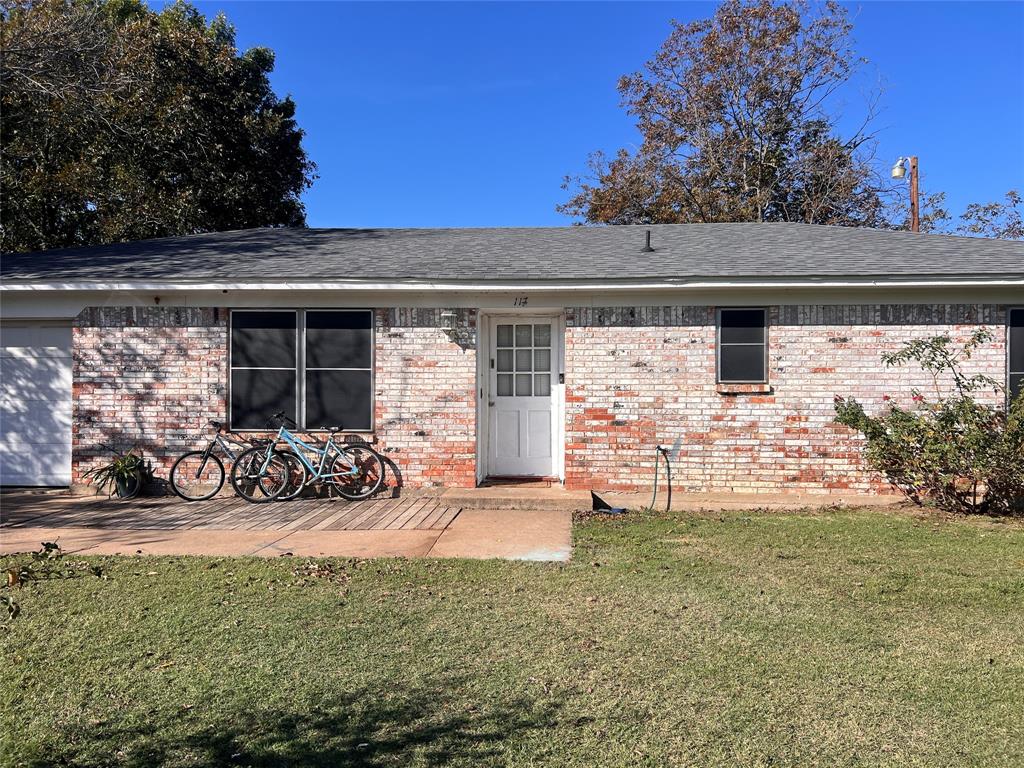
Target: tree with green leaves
(122,123)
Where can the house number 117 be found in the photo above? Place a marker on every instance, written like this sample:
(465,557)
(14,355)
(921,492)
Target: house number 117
(520,301)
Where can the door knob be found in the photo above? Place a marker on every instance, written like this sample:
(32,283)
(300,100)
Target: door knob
(490,403)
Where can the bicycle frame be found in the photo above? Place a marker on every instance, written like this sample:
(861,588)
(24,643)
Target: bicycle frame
(227,444)
(300,449)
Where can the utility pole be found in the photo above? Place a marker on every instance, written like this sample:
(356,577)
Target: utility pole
(915,212)
(898,172)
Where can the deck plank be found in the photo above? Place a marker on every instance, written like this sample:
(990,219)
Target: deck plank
(372,509)
(320,510)
(388,521)
(428,522)
(407,514)
(323,524)
(450,513)
(414,522)
(228,513)
(380,512)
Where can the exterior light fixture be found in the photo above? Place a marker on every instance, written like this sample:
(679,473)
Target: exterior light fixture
(899,171)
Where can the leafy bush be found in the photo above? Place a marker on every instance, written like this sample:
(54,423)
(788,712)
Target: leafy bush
(952,451)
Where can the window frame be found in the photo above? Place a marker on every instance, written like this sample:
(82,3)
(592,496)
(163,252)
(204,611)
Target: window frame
(300,365)
(718,345)
(1009,352)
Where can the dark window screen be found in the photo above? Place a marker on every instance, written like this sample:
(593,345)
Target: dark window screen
(338,377)
(338,399)
(1015,353)
(742,338)
(742,326)
(257,394)
(263,339)
(338,339)
(263,367)
(333,387)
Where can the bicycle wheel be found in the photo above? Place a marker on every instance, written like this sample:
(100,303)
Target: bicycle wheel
(298,476)
(258,480)
(362,484)
(197,476)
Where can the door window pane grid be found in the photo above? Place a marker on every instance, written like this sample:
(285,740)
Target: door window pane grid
(523,360)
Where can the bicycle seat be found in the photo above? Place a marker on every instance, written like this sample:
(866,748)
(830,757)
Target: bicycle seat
(215,424)
(334,430)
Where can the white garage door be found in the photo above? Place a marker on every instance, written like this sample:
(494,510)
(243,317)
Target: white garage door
(35,404)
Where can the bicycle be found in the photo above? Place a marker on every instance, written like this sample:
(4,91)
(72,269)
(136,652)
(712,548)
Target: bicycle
(199,475)
(355,470)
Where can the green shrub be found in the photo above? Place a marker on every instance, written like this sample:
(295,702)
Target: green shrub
(951,451)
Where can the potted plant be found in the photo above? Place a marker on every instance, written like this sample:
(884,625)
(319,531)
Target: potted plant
(123,476)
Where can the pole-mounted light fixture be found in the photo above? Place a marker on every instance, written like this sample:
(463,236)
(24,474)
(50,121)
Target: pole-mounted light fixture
(899,171)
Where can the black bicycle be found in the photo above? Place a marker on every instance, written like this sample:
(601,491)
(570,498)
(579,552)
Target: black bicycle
(199,475)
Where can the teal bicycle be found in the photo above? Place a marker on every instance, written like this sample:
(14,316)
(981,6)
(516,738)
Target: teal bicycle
(266,472)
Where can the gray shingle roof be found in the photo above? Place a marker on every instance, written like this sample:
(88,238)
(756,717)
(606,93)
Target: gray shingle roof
(682,251)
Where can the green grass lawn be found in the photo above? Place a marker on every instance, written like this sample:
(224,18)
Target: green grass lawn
(823,638)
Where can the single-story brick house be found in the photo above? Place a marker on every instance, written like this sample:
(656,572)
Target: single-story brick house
(566,353)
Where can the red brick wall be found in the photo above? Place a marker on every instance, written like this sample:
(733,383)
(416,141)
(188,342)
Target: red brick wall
(153,376)
(637,376)
(145,376)
(425,394)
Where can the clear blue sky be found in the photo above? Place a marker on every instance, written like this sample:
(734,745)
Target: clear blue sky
(470,114)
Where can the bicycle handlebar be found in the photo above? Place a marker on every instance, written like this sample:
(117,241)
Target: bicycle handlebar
(281,418)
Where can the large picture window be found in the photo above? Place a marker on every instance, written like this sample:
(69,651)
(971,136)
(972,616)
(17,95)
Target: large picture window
(1015,353)
(742,346)
(315,365)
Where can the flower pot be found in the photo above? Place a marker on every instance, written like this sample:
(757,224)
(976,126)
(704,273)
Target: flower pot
(127,487)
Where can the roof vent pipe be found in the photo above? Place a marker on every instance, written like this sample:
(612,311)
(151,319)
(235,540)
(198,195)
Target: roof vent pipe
(647,244)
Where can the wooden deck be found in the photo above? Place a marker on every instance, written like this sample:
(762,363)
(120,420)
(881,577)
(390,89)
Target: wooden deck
(224,513)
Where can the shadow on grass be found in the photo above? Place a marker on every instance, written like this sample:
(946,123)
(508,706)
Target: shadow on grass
(429,726)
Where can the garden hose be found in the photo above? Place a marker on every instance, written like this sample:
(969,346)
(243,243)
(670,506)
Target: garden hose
(660,451)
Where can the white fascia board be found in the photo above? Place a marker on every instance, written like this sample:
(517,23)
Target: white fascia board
(505,286)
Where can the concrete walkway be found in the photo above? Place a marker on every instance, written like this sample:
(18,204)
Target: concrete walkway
(409,527)
(475,533)
(528,522)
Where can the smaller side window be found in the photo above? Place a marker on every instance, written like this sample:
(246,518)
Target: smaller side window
(1015,353)
(743,346)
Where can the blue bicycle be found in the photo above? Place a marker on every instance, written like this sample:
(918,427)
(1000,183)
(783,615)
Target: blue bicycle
(267,472)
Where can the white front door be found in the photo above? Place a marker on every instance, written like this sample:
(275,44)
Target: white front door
(35,403)
(522,383)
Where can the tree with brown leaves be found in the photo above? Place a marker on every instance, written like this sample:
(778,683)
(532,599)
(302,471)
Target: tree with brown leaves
(999,220)
(734,114)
